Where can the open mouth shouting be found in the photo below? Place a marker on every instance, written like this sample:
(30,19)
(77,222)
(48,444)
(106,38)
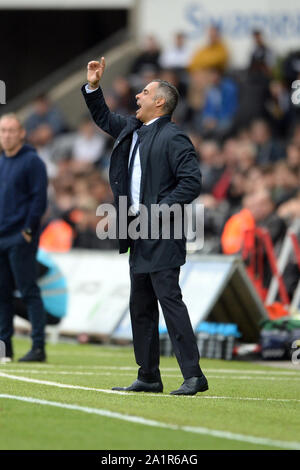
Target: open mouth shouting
(138,109)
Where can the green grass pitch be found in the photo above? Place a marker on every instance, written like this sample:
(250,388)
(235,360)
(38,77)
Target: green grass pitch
(67,403)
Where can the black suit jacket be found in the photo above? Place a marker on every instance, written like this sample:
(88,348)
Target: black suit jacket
(170,174)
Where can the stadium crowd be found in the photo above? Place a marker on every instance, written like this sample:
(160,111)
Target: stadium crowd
(242,123)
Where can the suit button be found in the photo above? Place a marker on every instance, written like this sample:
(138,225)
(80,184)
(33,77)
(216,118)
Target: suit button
(116,182)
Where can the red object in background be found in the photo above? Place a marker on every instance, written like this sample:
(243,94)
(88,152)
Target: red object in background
(276,310)
(296,247)
(248,349)
(220,189)
(57,237)
(76,216)
(255,252)
(241,234)
(236,233)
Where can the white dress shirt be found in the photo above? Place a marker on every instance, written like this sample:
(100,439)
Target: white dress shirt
(137,171)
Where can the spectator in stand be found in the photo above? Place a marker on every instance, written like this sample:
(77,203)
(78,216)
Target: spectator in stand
(255,82)
(291,67)
(44,122)
(85,228)
(236,191)
(246,156)
(172,76)
(262,208)
(228,159)
(293,157)
(71,219)
(42,126)
(230,153)
(88,145)
(147,74)
(268,149)
(278,107)
(258,210)
(262,57)
(208,151)
(268,177)
(213,55)
(226,187)
(286,182)
(212,167)
(259,178)
(295,138)
(220,105)
(177,56)
(180,114)
(243,135)
(290,210)
(124,95)
(149,56)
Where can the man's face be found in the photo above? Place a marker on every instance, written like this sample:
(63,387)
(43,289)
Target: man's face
(179,40)
(258,38)
(148,106)
(11,134)
(213,35)
(41,106)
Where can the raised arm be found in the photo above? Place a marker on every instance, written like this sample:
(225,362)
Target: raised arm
(111,123)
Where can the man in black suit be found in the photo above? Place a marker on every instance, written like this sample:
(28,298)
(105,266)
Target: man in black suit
(152,162)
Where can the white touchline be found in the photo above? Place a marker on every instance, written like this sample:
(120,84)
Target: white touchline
(149,422)
(88,354)
(128,394)
(124,373)
(270,372)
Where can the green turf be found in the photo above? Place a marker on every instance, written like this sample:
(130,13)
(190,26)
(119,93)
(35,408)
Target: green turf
(35,426)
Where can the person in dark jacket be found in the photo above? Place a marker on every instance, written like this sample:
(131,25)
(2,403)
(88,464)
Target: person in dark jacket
(23,198)
(153,162)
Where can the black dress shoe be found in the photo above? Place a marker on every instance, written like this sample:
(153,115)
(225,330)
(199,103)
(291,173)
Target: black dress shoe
(191,386)
(139,386)
(34,355)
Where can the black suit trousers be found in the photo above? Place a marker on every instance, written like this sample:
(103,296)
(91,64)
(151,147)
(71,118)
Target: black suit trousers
(146,291)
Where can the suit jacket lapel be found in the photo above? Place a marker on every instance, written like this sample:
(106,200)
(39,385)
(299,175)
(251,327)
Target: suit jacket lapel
(145,149)
(129,129)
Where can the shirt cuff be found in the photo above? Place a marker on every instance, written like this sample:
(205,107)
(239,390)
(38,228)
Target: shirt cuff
(88,90)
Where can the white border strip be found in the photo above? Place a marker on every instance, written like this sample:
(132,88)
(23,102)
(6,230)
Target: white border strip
(128,394)
(147,422)
(125,373)
(269,372)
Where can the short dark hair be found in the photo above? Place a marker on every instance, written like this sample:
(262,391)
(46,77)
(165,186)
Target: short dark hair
(169,92)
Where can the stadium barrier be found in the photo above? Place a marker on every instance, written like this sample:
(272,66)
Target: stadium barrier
(215,288)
